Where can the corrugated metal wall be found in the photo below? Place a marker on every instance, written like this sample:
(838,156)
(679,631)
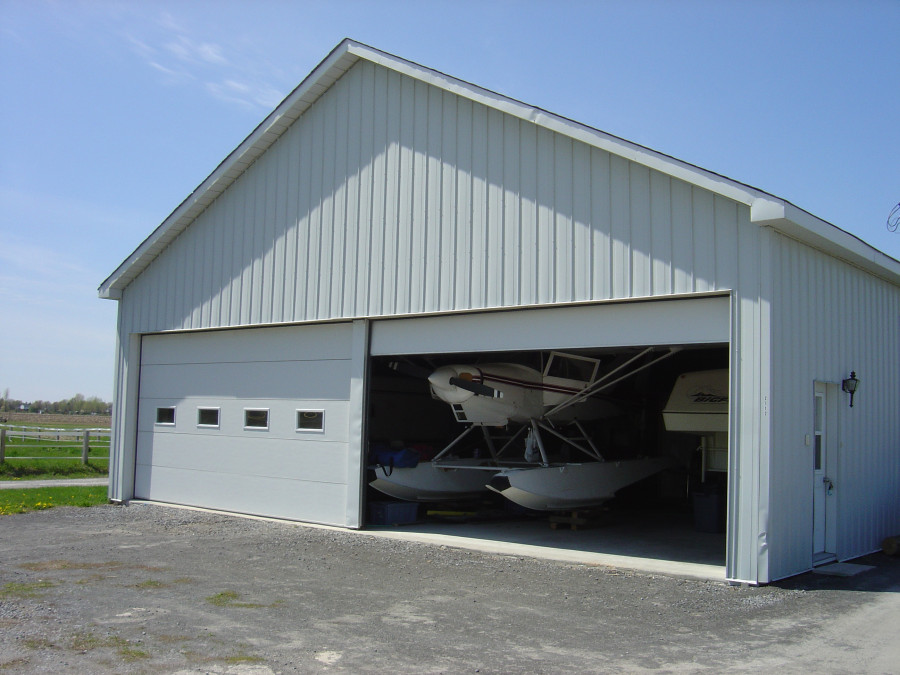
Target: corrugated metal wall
(390,196)
(830,318)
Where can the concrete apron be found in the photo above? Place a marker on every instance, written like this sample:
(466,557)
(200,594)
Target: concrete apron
(521,545)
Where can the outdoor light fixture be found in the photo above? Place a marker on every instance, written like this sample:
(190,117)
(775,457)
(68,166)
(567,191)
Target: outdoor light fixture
(849,385)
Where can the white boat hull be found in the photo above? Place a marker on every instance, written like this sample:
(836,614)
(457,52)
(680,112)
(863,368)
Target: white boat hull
(430,482)
(573,485)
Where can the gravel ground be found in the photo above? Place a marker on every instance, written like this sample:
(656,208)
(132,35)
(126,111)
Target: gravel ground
(150,589)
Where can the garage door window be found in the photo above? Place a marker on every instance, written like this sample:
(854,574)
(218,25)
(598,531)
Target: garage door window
(310,420)
(208,417)
(165,416)
(256,418)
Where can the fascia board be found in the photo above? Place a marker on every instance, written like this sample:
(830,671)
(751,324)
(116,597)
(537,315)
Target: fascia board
(801,225)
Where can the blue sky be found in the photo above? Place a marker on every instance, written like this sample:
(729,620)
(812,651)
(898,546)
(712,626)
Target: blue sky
(111,113)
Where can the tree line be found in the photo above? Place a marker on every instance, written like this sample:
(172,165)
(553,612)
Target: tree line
(77,405)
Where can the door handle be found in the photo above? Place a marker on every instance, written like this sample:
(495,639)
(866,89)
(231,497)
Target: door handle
(829,485)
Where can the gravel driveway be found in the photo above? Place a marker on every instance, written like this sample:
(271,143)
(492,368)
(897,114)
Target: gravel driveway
(151,589)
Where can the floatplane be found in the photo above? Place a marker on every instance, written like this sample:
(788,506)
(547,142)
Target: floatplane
(542,405)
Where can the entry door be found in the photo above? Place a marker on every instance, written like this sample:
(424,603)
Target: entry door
(824,462)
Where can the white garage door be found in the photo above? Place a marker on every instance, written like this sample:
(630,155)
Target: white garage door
(676,321)
(252,421)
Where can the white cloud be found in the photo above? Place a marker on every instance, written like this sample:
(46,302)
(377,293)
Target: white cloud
(185,49)
(233,72)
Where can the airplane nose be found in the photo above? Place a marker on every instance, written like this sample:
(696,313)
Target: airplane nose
(440,378)
(441,387)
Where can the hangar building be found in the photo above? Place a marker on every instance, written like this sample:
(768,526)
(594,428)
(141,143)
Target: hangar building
(387,211)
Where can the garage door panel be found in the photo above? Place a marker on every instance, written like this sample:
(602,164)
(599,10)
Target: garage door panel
(288,343)
(278,498)
(705,320)
(276,470)
(297,460)
(276,379)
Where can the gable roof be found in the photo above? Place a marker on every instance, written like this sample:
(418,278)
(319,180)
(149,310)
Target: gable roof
(765,209)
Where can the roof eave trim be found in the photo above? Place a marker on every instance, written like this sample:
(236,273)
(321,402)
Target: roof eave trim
(801,225)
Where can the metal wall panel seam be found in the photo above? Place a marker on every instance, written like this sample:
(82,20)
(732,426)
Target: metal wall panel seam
(562,220)
(302,276)
(528,210)
(341,187)
(581,214)
(477,287)
(328,201)
(601,216)
(364,222)
(639,215)
(447,206)
(389,277)
(418,224)
(493,213)
(290,244)
(315,222)
(280,227)
(375,282)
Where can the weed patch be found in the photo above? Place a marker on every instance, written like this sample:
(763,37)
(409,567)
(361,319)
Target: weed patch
(85,642)
(133,654)
(17,590)
(243,657)
(39,643)
(15,663)
(230,599)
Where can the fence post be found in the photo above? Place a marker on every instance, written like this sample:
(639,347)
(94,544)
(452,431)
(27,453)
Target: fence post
(85,446)
(2,445)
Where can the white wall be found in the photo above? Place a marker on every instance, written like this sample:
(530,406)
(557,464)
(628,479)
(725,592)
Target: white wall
(390,196)
(830,318)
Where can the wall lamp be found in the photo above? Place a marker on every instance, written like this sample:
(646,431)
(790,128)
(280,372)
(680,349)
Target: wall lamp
(849,385)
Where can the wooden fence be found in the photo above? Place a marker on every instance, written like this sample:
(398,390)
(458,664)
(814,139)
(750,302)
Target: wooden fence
(56,436)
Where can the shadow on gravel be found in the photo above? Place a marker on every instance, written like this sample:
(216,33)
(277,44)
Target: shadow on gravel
(884,577)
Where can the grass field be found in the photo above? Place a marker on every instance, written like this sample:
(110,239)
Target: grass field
(36,499)
(49,457)
(47,469)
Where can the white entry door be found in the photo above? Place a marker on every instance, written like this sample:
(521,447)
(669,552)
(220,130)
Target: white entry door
(823,461)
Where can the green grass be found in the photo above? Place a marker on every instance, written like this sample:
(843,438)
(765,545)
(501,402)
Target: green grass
(230,599)
(36,499)
(16,590)
(55,459)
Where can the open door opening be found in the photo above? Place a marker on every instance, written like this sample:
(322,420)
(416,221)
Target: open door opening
(531,444)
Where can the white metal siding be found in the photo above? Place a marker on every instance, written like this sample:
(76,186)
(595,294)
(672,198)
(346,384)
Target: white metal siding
(830,318)
(390,196)
(276,471)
